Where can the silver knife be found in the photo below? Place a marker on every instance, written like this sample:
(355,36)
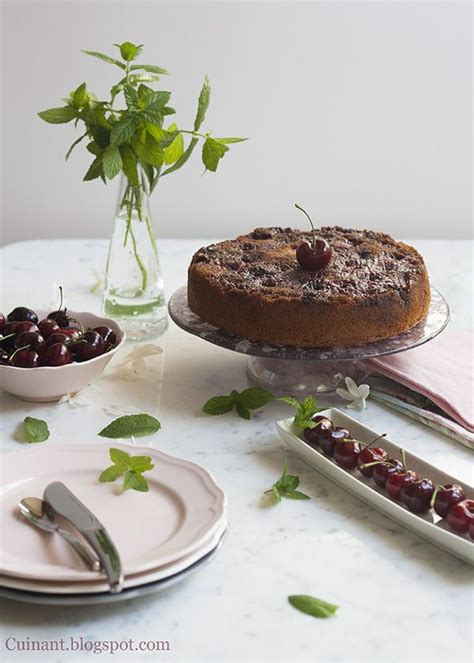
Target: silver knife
(62,502)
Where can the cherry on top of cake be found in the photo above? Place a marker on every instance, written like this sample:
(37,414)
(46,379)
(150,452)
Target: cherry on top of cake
(362,262)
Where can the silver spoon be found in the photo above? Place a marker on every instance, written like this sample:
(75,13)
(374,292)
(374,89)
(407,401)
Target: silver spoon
(33,510)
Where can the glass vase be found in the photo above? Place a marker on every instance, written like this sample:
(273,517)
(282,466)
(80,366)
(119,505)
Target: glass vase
(134,294)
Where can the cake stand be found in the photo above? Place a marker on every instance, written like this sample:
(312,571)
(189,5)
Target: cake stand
(286,369)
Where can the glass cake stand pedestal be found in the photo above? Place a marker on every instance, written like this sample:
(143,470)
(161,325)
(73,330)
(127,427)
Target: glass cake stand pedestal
(286,369)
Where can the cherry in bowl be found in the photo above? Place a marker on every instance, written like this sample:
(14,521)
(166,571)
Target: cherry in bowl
(461,516)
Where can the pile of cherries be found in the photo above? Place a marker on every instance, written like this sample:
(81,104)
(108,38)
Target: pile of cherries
(416,493)
(59,339)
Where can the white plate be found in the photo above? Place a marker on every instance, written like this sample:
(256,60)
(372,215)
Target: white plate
(107,597)
(97,586)
(183,507)
(427,526)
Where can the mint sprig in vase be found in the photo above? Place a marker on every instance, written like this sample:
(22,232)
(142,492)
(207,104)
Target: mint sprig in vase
(131,140)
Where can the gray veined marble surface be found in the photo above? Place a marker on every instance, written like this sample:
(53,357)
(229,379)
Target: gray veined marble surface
(401,599)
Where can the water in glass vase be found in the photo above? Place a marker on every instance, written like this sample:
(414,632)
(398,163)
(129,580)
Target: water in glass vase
(134,293)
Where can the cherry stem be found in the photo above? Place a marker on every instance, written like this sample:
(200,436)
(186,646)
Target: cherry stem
(61,297)
(404,460)
(309,219)
(25,347)
(379,437)
(4,338)
(390,461)
(435,494)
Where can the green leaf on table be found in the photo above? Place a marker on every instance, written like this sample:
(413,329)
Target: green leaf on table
(203,104)
(305,411)
(310,605)
(249,399)
(35,430)
(58,115)
(131,424)
(105,58)
(131,467)
(212,152)
(112,161)
(286,487)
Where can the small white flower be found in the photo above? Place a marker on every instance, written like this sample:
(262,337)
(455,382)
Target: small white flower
(75,399)
(356,394)
(138,355)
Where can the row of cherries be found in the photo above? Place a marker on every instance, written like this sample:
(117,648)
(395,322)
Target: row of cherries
(27,342)
(417,494)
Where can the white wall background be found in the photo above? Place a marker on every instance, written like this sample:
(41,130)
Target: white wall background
(361,111)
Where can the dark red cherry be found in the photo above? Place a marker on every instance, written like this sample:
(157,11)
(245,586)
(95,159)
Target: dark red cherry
(8,343)
(330,437)
(416,495)
(56,355)
(26,327)
(370,455)
(25,359)
(89,346)
(107,334)
(314,256)
(70,332)
(10,327)
(48,327)
(446,497)
(471,529)
(21,313)
(312,435)
(385,469)
(346,454)
(60,317)
(32,340)
(461,515)
(2,323)
(398,480)
(56,337)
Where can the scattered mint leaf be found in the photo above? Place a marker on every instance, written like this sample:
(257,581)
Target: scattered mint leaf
(249,399)
(312,606)
(218,405)
(131,424)
(286,487)
(305,411)
(131,467)
(35,430)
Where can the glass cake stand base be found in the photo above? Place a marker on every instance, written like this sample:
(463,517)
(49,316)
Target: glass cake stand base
(288,369)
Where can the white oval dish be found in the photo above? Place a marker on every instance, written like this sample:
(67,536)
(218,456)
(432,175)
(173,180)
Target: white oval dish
(50,383)
(183,507)
(427,526)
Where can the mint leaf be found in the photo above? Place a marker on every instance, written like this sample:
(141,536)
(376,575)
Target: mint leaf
(129,164)
(305,411)
(152,153)
(151,68)
(80,96)
(135,481)
(175,150)
(112,161)
(129,51)
(95,170)
(58,115)
(76,142)
(35,430)
(212,152)
(286,487)
(123,130)
(242,410)
(186,154)
(312,606)
(131,424)
(203,104)
(218,405)
(131,467)
(110,474)
(105,58)
(157,100)
(230,140)
(255,397)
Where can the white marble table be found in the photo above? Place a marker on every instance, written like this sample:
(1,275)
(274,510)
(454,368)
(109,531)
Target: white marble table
(400,598)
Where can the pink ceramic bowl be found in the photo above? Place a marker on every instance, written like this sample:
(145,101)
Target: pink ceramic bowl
(49,383)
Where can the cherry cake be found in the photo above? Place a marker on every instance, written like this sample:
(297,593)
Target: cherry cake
(255,286)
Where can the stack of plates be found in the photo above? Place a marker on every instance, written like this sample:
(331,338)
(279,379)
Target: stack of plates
(162,536)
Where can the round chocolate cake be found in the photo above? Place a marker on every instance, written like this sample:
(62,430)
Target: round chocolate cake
(373,287)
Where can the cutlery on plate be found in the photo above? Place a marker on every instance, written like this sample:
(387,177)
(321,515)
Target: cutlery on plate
(61,501)
(33,509)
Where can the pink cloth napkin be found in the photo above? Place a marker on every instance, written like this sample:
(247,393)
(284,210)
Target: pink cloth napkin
(441,370)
